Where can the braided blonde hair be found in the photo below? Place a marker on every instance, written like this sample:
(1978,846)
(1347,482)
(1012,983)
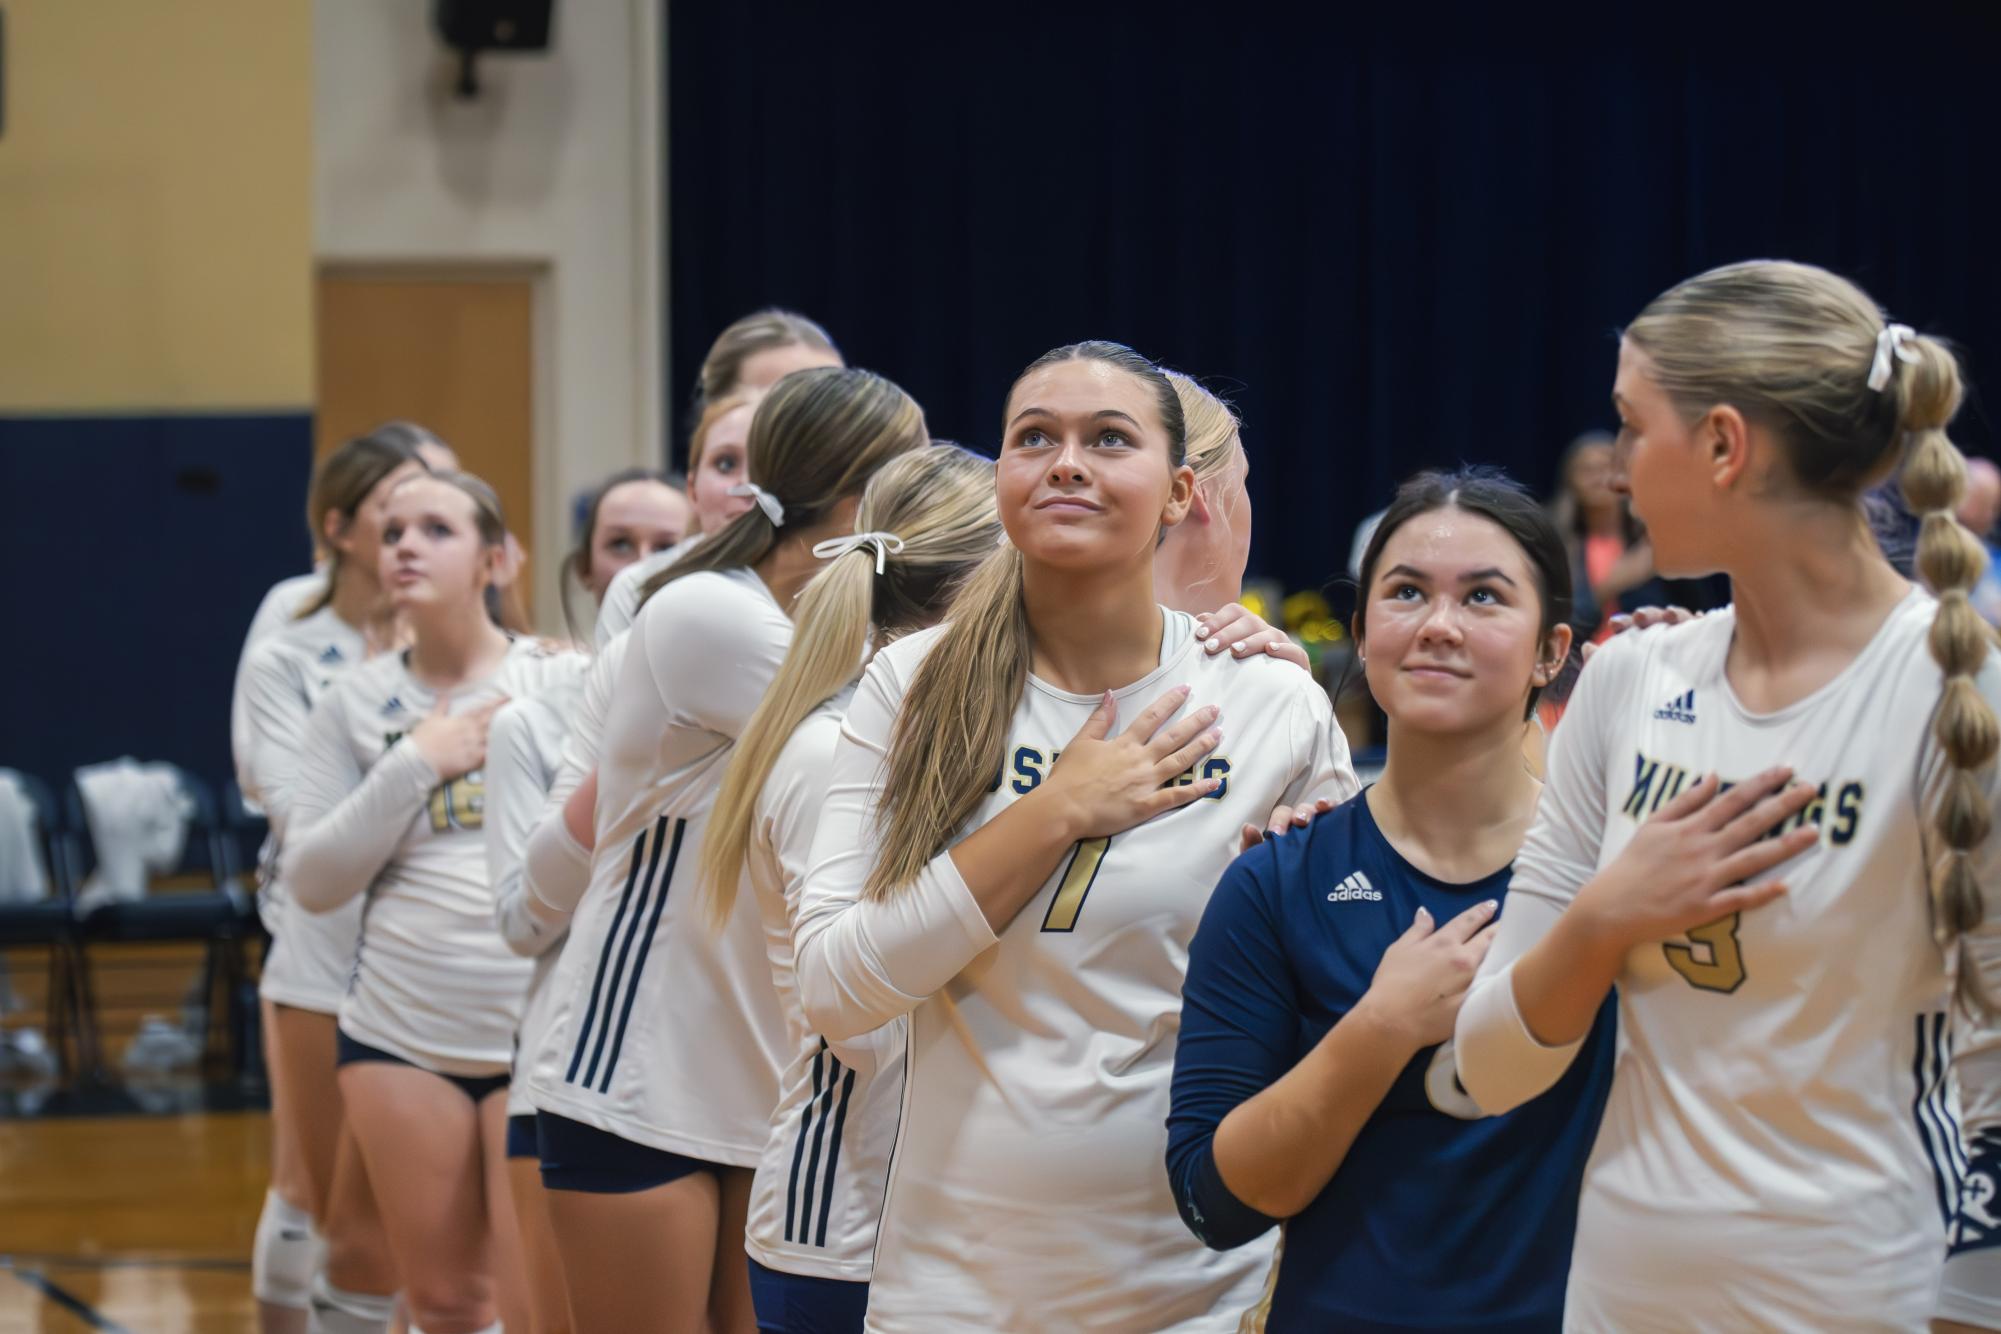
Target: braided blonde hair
(1795,348)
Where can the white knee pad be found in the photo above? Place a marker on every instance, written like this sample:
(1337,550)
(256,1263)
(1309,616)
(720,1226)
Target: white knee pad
(337,1311)
(284,1255)
(493,1328)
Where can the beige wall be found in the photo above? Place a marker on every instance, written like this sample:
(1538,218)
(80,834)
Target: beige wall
(155,220)
(557,165)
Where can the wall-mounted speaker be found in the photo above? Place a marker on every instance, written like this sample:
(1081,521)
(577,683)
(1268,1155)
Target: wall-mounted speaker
(472,26)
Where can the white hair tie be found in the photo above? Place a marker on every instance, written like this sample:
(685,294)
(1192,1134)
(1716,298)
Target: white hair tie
(1890,343)
(885,544)
(773,507)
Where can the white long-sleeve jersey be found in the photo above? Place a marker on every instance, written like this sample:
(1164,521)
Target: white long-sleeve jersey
(1027,1189)
(671,1035)
(279,608)
(556,870)
(1782,1148)
(816,1205)
(523,754)
(619,607)
(433,982)
(283,675)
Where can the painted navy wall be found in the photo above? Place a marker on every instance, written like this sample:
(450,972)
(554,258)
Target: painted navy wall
(137,548)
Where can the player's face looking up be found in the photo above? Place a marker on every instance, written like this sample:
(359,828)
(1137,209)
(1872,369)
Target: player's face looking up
(634,520)
(1454,636)
(432,553)
(358,536)
(720,468)
(1085,478)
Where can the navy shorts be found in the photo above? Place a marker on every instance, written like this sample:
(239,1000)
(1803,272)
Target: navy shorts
(347,1051)
(801,1304)
(596,1162)
(521,1137)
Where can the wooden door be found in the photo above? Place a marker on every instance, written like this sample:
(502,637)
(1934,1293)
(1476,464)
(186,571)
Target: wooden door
(450,350)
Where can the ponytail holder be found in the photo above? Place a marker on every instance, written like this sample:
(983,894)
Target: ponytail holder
(1890,343)
(774,509)
(885,544)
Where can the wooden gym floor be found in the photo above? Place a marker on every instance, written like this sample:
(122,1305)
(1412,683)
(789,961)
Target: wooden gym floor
(137,1223)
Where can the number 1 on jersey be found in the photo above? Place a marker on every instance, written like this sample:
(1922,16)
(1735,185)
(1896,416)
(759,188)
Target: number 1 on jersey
(1078,878)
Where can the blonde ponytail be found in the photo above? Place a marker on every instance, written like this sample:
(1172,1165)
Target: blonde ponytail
(945,752)
(939,502)
(1950,560)
(816,440)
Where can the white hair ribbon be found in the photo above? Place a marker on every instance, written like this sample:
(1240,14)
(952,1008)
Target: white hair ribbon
(1890,343)
(774,509)
(885,544)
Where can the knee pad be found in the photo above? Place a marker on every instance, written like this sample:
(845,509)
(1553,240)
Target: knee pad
(338,1311)
(493,1328)
(284,1254)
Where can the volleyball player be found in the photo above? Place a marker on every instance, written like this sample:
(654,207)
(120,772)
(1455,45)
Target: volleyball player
(747,358)
(715,480)
(633,515)
(305,970)
(1199,565)
(926,520)
(284,600)
(390,805)
(673,1035)
(1313,1079)
(994,862)
(1768,827)
(757,351)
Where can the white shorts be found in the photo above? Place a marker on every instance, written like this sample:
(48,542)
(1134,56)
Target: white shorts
(312,956)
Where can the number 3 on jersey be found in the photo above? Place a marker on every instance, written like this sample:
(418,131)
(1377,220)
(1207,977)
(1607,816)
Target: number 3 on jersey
(1719,966)
(459,804)
(1078,877)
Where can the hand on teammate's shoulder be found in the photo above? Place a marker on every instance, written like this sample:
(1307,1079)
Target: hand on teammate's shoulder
(1246,635)
(1643,618)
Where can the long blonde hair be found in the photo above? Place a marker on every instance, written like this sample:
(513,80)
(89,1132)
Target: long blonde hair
(817,438)
(940,502)
(1794,348)
(951,731)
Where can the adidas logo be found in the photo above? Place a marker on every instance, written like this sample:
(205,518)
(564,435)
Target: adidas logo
(1680,709)
(1356,886)
(332,654)
(395,705)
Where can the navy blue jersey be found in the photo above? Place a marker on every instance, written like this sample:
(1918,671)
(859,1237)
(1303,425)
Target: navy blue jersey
(1438,1218)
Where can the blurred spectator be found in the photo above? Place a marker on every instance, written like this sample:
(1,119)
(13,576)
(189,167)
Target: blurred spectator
(1610,558)
(1979,510)
(1982,503)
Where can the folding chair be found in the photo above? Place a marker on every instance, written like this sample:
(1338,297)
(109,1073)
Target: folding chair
(50,924)
(212,914)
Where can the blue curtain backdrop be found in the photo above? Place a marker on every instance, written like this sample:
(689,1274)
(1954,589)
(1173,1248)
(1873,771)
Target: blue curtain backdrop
(1395,241)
